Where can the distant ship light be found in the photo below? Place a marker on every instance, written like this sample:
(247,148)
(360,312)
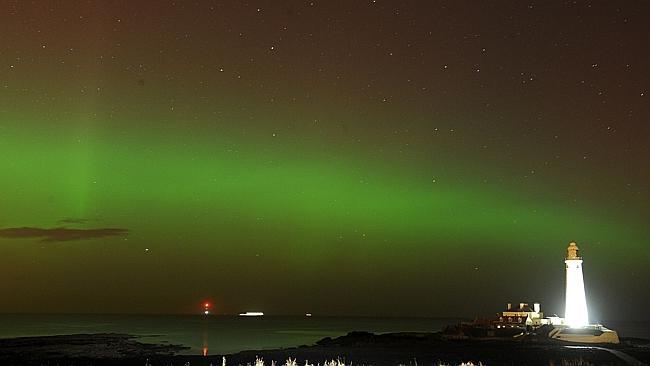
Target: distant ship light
(252,313)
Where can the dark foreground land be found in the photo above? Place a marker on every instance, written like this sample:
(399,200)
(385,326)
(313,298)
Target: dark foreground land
(356,348)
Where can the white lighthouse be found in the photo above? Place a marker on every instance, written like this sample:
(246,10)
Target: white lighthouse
(575,326)
(576,302)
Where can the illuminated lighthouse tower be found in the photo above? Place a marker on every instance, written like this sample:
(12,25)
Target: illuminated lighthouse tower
(576,302)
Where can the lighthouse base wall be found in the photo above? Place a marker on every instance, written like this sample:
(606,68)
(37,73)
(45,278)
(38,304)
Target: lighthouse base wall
(587,334)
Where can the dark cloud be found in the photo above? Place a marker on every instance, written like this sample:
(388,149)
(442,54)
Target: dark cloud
(72,220)
(60,233)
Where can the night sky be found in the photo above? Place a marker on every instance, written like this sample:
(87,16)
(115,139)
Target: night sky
(388,158)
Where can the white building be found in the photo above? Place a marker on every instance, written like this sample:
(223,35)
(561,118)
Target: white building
(523,315)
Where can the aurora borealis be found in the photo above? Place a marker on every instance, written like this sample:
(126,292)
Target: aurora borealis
(339,158)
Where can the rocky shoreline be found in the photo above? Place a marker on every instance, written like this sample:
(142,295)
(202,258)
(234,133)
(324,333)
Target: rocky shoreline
(356,348)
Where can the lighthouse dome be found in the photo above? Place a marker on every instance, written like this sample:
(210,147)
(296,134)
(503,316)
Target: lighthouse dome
(572,251)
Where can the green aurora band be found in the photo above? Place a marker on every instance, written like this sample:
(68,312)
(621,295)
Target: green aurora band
(299,190)
(213,206)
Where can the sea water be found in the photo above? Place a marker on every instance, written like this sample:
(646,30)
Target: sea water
(213,334)
(217,334)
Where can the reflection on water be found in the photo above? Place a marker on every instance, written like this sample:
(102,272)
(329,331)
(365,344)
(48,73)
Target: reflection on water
(205,341)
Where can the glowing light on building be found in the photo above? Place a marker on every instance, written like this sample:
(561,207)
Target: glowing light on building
(575,314)
(252,313)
